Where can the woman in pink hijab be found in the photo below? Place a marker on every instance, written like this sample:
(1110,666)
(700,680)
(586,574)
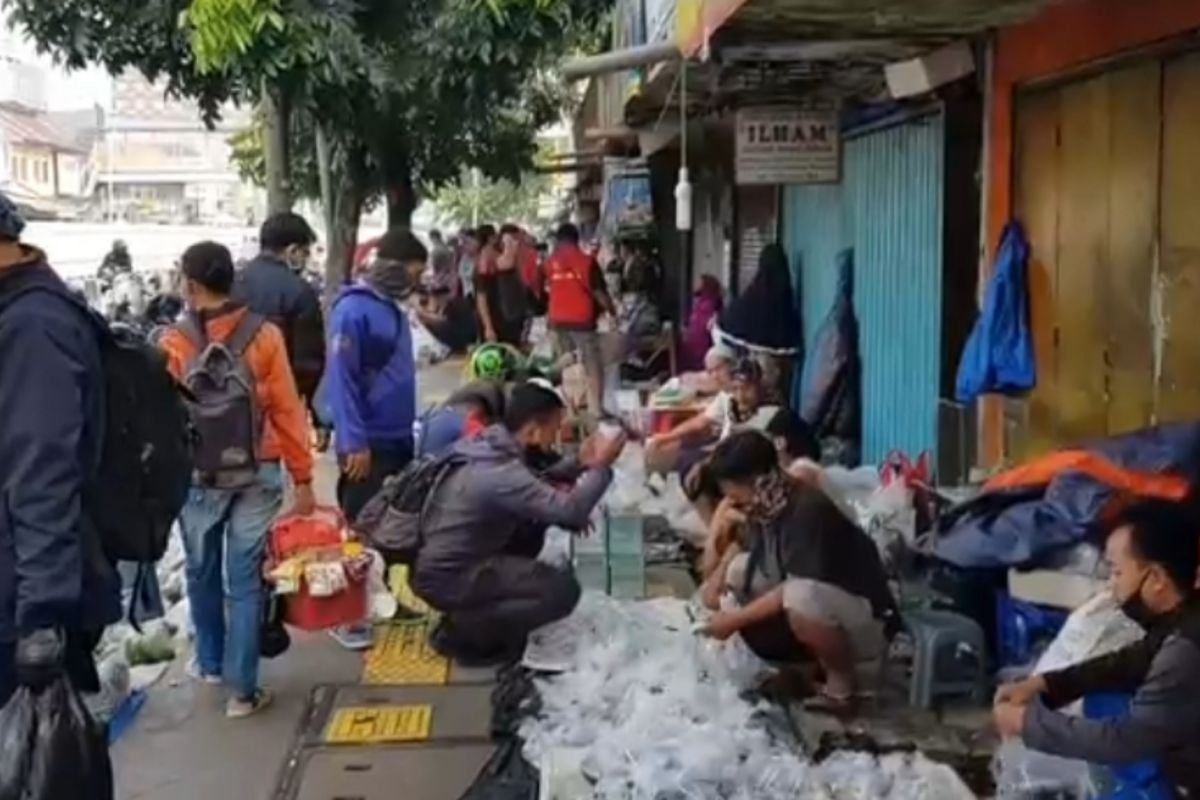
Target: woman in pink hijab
(706,305)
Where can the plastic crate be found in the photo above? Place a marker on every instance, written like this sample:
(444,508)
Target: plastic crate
(1024,629)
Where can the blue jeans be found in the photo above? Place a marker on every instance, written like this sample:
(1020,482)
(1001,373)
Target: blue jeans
(224,535)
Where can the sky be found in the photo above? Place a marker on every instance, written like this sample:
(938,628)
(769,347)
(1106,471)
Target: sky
(65,91)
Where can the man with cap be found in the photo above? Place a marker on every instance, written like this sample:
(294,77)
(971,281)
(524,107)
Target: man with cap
(57,589)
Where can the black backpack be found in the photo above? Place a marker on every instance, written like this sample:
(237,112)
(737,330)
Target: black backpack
(391,522)
(145,469)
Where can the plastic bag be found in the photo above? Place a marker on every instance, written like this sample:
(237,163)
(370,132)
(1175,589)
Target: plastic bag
(51,748)
(1021,772)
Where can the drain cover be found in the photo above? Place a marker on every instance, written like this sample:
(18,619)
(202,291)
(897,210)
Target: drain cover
(431,772)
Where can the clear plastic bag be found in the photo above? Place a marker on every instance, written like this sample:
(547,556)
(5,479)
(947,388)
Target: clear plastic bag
(1022,773)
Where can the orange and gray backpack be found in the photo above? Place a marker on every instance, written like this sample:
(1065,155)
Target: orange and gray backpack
(223,404)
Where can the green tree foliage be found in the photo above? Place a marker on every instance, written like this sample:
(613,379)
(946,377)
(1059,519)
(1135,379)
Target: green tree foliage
(490,200)
(405,94)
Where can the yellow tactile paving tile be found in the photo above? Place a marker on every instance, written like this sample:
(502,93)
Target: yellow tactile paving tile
(379,724)
(402,655)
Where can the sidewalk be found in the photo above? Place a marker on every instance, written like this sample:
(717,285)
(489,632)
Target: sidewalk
(182,747)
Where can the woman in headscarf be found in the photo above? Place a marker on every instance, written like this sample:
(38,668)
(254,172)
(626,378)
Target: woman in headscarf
(757,321)
(697,339)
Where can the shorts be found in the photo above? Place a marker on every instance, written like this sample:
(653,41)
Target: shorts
(819,601)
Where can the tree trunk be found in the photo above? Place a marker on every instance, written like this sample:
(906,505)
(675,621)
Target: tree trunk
(276,111)
(401,203)
(343,207)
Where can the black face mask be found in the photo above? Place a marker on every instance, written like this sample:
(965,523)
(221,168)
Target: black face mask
(1135,607)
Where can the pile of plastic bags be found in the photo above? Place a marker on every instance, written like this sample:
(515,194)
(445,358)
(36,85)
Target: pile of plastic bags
(656,711)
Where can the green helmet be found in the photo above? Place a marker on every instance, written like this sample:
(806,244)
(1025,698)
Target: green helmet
(492,362)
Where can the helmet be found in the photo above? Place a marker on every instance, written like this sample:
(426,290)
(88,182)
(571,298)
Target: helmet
(491,361)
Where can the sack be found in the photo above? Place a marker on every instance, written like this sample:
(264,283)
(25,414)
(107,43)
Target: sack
(391,521)
(146,458)
(51,748)
(223,404)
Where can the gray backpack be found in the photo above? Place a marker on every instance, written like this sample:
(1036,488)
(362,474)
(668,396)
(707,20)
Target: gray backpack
(223,405)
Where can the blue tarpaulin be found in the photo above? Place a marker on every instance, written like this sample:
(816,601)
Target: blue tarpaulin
(999,354)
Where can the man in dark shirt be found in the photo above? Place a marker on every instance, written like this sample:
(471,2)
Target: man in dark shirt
(272,284)
(810,583)
(1153,556)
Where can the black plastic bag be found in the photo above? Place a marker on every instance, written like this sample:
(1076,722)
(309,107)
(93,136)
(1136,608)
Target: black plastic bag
(514,698)
(51,748)
(273,637)
(506,776)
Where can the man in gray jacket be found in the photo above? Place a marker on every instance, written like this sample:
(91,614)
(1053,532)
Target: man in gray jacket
(1153,552)
(486,522)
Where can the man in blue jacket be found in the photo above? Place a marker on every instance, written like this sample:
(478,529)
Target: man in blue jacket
(372,381)
(57,589)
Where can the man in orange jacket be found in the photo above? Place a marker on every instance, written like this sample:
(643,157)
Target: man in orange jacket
(225,530)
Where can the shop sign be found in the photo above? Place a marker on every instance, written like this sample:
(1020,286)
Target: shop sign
(781,145)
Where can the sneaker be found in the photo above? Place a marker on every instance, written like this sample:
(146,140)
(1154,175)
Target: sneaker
(195,673)
(359,636)
(240,709)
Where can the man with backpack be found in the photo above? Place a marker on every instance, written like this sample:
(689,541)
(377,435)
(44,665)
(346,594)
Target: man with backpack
(248,418)
(273,285)
(58,589)
(484,525)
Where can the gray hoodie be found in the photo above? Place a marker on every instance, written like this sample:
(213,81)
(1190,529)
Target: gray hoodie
(480,507)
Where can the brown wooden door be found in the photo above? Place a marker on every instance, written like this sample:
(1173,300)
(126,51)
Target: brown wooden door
(1176,295)
(1090,156)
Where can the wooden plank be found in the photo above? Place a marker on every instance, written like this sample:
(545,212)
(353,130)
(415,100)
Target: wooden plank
(1135,115)
(1179,382)
(1082,260)
(1036,194)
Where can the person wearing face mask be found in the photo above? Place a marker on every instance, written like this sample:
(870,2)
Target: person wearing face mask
(485,523)
(372,380)
(273,284)
(1153,551)
(808,582)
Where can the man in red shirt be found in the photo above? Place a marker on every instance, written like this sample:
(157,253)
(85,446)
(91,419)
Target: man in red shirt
(577,297)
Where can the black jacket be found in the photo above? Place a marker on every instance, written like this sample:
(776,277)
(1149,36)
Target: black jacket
(1162,671)
(270,287)
(52,570)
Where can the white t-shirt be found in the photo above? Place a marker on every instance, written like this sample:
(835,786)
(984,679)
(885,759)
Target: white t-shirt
(720,411)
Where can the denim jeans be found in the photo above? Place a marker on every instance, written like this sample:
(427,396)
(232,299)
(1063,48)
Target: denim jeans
(224,535)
